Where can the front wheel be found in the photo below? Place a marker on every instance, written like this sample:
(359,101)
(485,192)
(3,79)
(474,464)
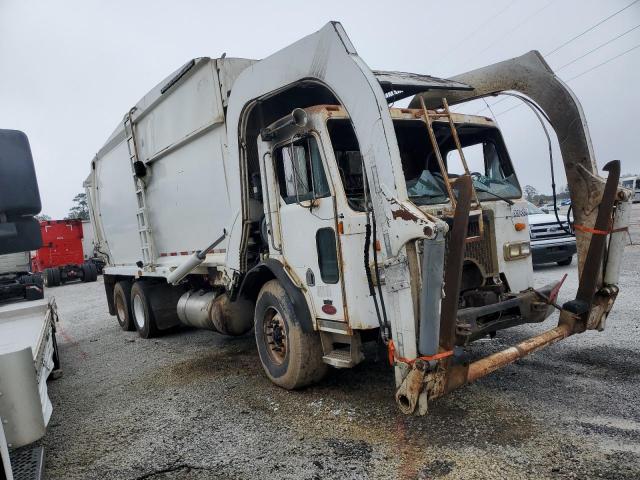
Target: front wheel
(143,317)
(291,357)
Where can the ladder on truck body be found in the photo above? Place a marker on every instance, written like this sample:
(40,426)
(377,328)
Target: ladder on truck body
(429,117)
(142,214)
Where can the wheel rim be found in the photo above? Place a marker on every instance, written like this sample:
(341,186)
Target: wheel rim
(275,336)
(120,308)
(138,311)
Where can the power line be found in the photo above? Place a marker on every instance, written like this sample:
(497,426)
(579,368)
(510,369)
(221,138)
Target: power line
(589,29)
(525,20)
(572,39)
(575,60)
(480,27)
(582,73)
(597,48)
(604,63)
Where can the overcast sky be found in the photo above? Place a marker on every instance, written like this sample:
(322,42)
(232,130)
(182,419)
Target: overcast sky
(69,70)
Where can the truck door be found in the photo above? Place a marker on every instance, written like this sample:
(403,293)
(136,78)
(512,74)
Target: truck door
(306,219)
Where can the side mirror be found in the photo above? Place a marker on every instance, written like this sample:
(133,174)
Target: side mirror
(545,210)
(19,195)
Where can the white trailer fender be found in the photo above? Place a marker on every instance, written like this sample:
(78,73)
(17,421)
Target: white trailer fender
(329,58)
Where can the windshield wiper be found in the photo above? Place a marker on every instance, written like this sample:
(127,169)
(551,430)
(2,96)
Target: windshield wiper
(494,194)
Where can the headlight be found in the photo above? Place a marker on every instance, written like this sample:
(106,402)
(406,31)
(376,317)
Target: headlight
(516,250)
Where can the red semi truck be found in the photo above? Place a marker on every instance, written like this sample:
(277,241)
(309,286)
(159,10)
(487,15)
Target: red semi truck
(61,258)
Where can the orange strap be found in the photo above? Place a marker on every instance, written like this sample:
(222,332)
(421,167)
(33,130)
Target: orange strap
(595,231)
(427,358)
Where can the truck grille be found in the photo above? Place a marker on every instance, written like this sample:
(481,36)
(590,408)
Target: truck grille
(481,251)
(544,231)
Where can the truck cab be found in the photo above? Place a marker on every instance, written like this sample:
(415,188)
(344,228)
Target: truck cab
(317,208)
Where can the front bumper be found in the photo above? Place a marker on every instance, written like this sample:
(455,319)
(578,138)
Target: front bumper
(526,307)
(552,252)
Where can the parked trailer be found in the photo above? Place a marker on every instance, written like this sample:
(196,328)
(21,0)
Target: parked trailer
(287,195)
(61,257)
(89,246)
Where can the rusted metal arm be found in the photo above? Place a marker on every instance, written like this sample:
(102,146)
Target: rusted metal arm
(460,375)
(485,366)
(454,263)
(591,272)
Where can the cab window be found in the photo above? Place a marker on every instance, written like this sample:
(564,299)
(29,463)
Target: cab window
(300,172)
(484,152)
(349,160)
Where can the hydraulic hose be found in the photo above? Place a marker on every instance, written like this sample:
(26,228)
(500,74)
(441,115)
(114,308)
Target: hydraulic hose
(540,114)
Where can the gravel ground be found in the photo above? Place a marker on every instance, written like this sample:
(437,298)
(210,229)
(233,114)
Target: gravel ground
(196,405)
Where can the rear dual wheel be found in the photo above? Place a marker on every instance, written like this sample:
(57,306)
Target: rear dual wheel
(143,317)
(51,277)
(133,310)
(122,303)
(89,272)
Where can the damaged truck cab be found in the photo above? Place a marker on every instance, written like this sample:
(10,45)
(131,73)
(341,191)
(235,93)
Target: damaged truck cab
(339,219)
(317,207)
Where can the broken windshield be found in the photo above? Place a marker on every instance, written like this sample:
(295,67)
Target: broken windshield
(484,152)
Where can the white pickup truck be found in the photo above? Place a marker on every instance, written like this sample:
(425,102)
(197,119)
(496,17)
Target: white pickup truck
(551,242)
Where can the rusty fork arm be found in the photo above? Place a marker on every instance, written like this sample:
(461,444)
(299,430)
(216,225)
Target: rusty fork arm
(573,315)
(583,303)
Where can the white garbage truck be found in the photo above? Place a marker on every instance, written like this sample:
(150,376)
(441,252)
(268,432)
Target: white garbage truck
(288,195)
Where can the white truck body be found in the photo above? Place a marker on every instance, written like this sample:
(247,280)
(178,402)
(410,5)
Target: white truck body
(27,353)
(88,239)
(15,262)
(188,158)
(322,202)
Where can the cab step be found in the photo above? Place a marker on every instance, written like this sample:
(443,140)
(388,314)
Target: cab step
(339,358)
(27,463)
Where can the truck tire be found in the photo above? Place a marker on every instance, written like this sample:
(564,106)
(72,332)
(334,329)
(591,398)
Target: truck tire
(144,319)
(89,272)
(34,292)
(51,277)
(566,262)
(57,276)
(46,277)
(122,303)
(291,357)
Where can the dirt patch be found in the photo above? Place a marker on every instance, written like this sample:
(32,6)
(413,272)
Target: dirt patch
(436,469)
(607,361)
(239,359)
